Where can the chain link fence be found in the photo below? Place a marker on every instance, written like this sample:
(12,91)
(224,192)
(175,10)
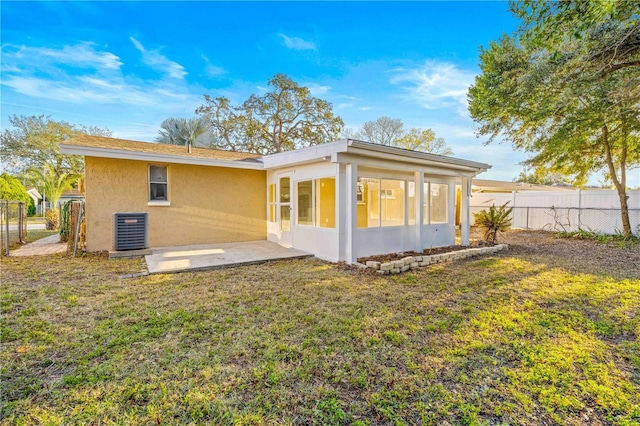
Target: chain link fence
(13,224)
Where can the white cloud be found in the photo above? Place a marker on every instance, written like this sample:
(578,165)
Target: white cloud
(211,70)
(317,89)
(53,75)
(344,105)
(214,71)
(82,55)
(154,59)
(297,43)
(436,85)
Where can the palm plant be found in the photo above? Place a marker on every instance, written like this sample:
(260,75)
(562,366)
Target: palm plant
(53,185)
(493,221)
(182,131)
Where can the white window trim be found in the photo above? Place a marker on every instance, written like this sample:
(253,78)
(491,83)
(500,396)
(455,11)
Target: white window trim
(157,203)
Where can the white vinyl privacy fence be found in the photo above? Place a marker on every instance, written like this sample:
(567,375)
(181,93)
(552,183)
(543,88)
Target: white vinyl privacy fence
(593,210)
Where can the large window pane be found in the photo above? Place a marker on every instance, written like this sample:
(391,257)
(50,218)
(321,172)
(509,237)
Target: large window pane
(369,208)
(285,218)
(411,202)
(392,202)
(158,183)
(272,202)
(326,203)
(425,206)
(285,190)
(305,203)
(439,203)
(285,204)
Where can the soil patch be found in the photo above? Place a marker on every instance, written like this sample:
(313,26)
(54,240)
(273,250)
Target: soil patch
(428,252)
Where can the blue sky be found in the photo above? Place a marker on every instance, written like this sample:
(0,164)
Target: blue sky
(127,66)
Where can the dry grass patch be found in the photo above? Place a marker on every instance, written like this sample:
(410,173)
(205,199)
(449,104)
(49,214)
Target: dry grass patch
(523,337)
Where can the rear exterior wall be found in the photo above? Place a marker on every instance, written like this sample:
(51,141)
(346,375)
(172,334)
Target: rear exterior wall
(207,204)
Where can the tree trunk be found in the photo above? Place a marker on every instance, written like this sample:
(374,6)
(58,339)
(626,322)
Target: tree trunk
(620,185)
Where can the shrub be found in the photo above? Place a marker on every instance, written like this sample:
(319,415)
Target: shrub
(51,219)
(493,221)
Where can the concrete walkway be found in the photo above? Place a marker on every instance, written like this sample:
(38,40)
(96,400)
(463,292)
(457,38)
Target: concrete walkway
(41,247)
(214,256)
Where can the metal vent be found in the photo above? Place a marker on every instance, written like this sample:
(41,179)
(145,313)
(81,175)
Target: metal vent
(130,231)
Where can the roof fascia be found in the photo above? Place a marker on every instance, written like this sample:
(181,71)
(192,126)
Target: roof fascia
(391,165)
(407,164)
(387,152)
(310,154)
(159,158)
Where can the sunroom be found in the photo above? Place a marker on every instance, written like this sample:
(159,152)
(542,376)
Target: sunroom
(351,199)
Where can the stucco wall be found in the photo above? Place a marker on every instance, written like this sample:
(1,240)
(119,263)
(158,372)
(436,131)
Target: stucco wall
(207,204)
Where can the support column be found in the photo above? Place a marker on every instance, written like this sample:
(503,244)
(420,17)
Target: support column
(419,211)
(351,212)
(465,215)
(341,210)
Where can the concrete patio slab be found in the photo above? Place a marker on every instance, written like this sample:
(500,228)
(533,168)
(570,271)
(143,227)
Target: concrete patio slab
(213,256)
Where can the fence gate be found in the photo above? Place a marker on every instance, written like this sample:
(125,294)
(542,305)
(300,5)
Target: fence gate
(13,224)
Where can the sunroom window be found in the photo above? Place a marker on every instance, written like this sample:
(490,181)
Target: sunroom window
(383,202)
(317,202)
(438,203)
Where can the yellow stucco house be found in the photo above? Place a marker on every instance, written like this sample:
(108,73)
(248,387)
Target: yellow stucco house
(340,201)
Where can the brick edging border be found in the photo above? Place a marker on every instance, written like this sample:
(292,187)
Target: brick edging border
(413,262)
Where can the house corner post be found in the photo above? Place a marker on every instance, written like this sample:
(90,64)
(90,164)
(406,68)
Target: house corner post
(351,211)
(465,209)
(419,210)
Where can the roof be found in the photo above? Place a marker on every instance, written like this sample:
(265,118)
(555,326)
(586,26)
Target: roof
(485,185)
(344,150)
(33,192)
(72,193)
(100,146)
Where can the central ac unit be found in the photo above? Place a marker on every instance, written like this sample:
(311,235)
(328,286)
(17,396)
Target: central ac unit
(130,231)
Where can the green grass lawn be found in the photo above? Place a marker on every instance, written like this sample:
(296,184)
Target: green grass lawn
(545,333)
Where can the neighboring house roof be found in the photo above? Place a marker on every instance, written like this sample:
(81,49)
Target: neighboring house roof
(484,185)
(99,146)
(344,150)
(34,194)
(72,193)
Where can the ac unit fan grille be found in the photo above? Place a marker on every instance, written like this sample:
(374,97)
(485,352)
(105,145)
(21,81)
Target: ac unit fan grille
(130,231)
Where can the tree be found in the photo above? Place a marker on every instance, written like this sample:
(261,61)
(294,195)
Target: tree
(183,131)
(383,131)
(541,176)
(423,140)
(574,110)
(390,131)
(283,119)
(52,184)
(12,189)
(34,142)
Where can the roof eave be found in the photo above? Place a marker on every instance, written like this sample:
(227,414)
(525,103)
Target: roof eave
(357,147)
(251,164)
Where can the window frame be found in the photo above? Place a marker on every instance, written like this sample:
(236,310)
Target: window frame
(383,196)
(157,202)
(315,208)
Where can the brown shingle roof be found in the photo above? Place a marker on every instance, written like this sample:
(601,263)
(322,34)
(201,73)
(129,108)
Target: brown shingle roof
(156,148)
